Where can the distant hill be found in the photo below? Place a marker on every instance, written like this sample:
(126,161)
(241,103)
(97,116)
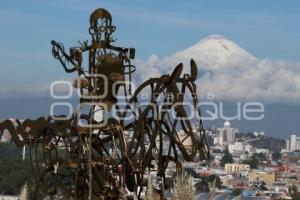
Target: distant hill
(274,144)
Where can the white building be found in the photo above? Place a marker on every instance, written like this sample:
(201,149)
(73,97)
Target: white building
(239,148)
(293,144)
(225,135)
(263,151)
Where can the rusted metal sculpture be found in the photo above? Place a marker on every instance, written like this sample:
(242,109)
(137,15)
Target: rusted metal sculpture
(85,157)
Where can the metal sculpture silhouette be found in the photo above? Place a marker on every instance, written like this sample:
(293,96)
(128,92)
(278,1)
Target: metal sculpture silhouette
(102,153)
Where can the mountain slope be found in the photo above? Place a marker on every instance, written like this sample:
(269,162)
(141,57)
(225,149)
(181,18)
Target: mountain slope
(213,53)
(231,72)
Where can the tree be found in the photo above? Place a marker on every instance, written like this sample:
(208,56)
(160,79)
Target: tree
(206,181)
(202,186)
(293,189)
(14,172)
(276,155)
(213,178)
(296,196)
(227,158)
(259,156)
(253,162)
(191,172)
(250,135)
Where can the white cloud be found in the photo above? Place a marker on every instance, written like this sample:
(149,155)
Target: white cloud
(146,69)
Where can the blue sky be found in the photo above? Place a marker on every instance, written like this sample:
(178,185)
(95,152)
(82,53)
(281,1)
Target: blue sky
(265,28)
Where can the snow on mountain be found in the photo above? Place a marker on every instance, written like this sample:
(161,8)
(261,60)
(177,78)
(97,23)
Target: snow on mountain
(215,51)
(214,54)
(231,72)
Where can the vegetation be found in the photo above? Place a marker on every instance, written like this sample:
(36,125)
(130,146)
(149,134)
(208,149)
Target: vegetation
(255,160)
(237,191)
(250,135)
(296,196)
(293,189)
(183,188)
(259,156)
(269,143)
(206,181)
(252,163)
(227,158)
(276,155)
(202,186)
(191,172)
(212,190)
(14,172)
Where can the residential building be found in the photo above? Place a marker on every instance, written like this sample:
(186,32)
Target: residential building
(293,144)
(236,167)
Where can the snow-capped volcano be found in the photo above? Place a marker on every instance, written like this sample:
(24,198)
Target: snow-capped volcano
(230,72)
(214,52)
